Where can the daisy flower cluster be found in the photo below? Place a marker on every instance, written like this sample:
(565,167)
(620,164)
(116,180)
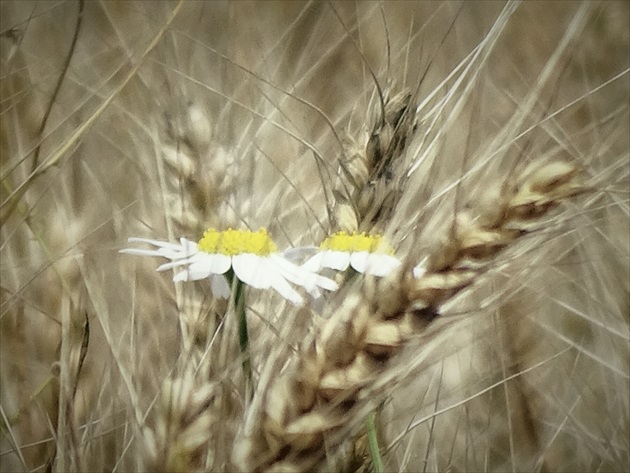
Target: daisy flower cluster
(253,258)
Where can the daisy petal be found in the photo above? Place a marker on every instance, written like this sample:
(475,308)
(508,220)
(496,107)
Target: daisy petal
(302,277)
(282,286)
(314,263)
(194,272)
(420,268)
(215,263)
(200,266)
(179,262)
(165,249)
(139,252)
(358,261)
(419,271)
(339,260)
(373,263)
(188,247)
(218,263)
(252,270)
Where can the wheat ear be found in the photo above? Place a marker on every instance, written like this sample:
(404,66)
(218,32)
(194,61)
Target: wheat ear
(370,181)
(195,182)
(176,438)
(319,396)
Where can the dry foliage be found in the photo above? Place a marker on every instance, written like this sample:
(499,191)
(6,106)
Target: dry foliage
(489,142)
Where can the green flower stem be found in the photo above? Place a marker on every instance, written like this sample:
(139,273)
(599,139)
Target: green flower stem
(370,424)
(238,287)
(375,452)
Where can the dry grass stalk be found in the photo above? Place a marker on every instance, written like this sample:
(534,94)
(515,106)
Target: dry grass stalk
(302,412)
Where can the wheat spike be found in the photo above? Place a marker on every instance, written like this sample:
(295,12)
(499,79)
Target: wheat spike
(176,437)
(322,391)
(370,181)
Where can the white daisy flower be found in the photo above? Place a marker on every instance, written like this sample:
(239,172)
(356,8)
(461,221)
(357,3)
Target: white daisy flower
(369,254)
(252,256)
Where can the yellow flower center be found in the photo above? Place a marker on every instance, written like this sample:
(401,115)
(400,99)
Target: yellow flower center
(341,241)
(235,242)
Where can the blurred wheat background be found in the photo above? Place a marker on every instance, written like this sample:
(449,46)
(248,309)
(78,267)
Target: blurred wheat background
(161,119)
